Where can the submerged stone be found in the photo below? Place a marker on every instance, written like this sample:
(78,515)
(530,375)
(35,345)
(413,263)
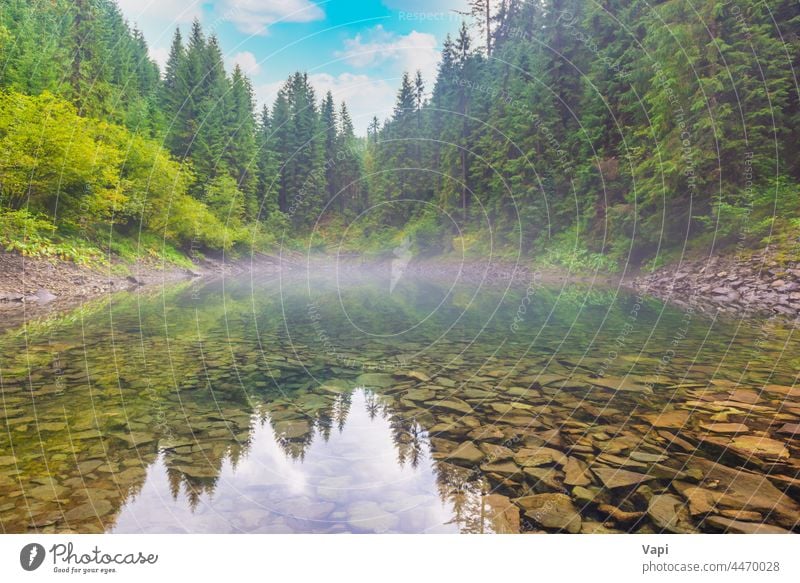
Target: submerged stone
(375,379)
(668,419)
(617,478)
(669,513)
(466,452)
(553,511)
(761,446)
(740,527)
(502,515)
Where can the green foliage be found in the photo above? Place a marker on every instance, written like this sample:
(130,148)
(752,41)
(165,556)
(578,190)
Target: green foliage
(33,236)
(567,250)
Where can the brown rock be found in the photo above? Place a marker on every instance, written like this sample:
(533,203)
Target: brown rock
(669,513)
(466,452)
(746,515)
(676,419)
(761,446)
(545,479)
(790,428)
(725,427)
(488,432)
(554,511)
(501,514)
(617,478)
(540,456)
(741,527)
(576,473)
(701,500)
(619,515)
(496,452)
(744,490)
(501,468)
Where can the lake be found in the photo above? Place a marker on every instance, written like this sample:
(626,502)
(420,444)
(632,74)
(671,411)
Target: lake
(346,402)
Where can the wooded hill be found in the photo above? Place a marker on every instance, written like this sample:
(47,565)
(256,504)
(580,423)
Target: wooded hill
(587,134)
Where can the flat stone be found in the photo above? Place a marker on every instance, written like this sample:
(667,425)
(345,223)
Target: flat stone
(466,452)
(741,527)
(761,446)
(89,510)
(89,466)
(414,374)
(669,513)
(743,490)
(783,390)
(487,432)
(495,452)
(790,429)
(136,438)
(626,384)
(576,473)
(583,495)
(545,479)
(620,462)
(501,468)
(375,379)
(452,404)
(49,492)
(618,478)
(676,419)
(540,456)
(554,511)
(746,515)
(501,514)
(340,386)
(725,427)
(701,500)
(420,394)
(649,458)
(502,408)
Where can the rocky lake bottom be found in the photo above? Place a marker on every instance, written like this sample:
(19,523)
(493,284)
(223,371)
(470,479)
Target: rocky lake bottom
(328,406)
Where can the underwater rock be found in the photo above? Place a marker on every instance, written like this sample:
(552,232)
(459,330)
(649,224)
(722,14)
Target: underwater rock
(669,513)
(617,478)
(553,511)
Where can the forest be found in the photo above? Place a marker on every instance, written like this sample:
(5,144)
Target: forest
(591,135)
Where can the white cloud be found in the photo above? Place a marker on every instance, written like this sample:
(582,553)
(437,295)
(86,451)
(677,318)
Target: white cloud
(365,96)
(254,16)
(160,55)
(247,62)
(168,13)
(415,50)
(266,93)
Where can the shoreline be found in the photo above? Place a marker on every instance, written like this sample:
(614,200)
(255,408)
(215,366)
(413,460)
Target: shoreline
(32,287)
(756,286)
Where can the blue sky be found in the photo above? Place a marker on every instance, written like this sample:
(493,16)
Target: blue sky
(358,50)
